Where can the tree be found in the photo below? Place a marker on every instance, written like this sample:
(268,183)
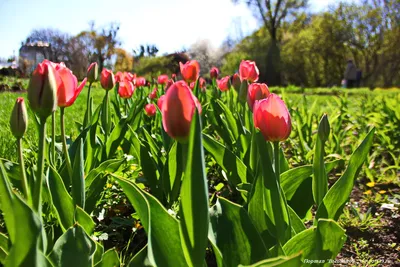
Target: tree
(206,55)
(124,61)
(273,14)
(101,44)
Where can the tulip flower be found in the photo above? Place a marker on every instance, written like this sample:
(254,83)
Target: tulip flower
(272,117)
(162,79)
(150,110)
(107,79)
(153,94)
(42,90)
(68,89)
(236,83)
(224,84)
(160,101)
(177,111)
(92,72)
(190,71)
(19,118)
(140,81)
(202,84)
(256,91)
(18,125)
(214,73)
(119,76)
(168,84)
(126,89)
(248,71)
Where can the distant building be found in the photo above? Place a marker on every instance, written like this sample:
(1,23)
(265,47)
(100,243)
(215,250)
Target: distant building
(33,53)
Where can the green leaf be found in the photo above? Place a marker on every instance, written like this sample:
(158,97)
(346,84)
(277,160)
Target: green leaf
(62,201)
(172,173)
(231,123)
(140,259)
(274,203)
(164,247)
(297,225)
(333,202)
(234,234)
(85,220)
(7,198)
(4,247)
(74,248)
(229,162)
(150,170)
(320,179)
(194,198)
(78,178)
(110,259)
(96,180)
(293,178)
(291,261)
(321,243)
(98,254)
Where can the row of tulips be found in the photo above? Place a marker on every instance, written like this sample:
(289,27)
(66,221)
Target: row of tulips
(168,128)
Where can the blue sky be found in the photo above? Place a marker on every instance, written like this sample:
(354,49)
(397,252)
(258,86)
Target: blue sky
(171,25)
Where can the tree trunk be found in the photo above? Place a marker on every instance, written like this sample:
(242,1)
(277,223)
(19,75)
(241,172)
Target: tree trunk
(273,69)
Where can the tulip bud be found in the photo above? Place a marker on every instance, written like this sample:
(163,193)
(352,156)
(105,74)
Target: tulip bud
(107,79)
(214,73)
(236,83)
(324,128)
(42,90)
(153,94)
(160,101)
(150,110)
(243,92)
(19,118)
(224,84)
(272,117)
(162,79)
(248,71)
(92,72)
(190,71)
(257,91)
(126,89)
(177,111)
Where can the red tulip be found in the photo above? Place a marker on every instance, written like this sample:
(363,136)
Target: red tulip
(107,79)
(224,83)
(126,89)
(169,83)
(150,109)
(160,101)
(236,83)
(19,118)
(140,81)
(248,71)
(272,117)
(214,73)
(129,76)
(202,84)
(173,77)
(256,91)
(68,89)
(153,94)
(177,110)
(162,79)
(42,89)
(190,70)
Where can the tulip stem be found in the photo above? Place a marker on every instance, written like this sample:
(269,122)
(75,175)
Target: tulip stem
(64,143)
(276,161)
(53,138)
(37,192)
(107,126)
(88,112)
(23,174)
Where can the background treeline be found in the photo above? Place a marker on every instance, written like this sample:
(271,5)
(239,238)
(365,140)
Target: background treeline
(293,46)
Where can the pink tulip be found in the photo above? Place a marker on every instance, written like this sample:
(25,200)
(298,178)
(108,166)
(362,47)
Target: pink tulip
(248,71)
(150,110)
(190,71)
(224,84)
(272,117)
(256,91)
(107,79)
(162,79)
(177,110)
(126,89)
(68,89)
